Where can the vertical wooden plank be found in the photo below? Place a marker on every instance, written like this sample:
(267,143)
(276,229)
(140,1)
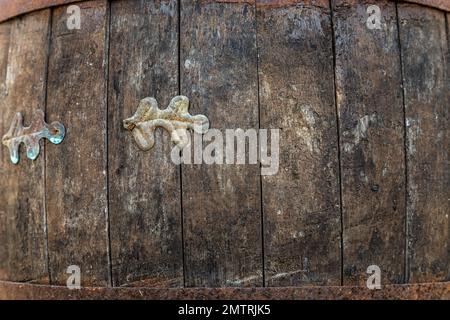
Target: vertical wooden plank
(221,203)
(5,30)
(427,100)
(301,202)
(76,188)
(370,107)
(145,205)
(22,185)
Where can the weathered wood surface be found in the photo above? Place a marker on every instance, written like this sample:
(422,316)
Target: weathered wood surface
(206,227)
(76,187)
(145,201)
(370,107)
(221,203)
(300,202)
(5,30)
(427,101)
(416,291)
(22,187)
(13,8)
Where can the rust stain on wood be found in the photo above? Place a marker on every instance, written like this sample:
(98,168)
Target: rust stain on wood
(439,4)
(13,8)
(218,70)
(252,2)
(423,291)
(271,4)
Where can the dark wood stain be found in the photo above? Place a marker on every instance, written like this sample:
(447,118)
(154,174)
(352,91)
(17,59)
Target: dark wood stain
(427,101)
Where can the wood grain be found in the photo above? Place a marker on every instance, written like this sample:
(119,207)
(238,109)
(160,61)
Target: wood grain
(145,197)
(10,9)
(5,30)
(427,101)
(76,170)
(22,185)
(221,203)
(370,106)
(301,202)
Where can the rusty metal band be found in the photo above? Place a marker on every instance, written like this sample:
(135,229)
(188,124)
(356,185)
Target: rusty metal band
(13,8)
(425,291)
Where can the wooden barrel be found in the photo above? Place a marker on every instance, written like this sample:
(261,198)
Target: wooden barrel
(358,91)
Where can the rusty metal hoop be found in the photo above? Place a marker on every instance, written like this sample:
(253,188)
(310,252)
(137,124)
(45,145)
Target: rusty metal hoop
(423,291)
